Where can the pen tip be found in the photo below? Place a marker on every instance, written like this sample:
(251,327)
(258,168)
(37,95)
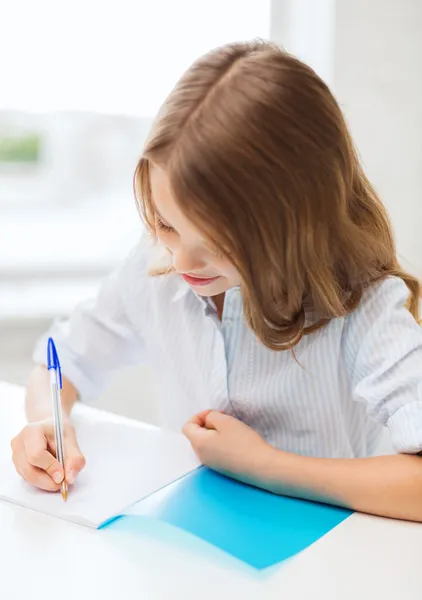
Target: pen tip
(64,491)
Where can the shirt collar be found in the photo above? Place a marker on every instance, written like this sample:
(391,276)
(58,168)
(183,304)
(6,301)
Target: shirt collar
(183,289)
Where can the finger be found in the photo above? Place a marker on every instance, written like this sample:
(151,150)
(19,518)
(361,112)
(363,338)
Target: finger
(195,432)
(195,423)
(37,477)
(206,420)
(38,456)
(200,418)
(74,459)
(191,429)
(217,420)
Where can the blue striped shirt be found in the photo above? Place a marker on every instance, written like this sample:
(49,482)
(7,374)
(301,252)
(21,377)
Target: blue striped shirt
(355,375)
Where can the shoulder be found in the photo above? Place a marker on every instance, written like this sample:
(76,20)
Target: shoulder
(140,275)
(381,298)
(141,261)
(140,255)
(382,316)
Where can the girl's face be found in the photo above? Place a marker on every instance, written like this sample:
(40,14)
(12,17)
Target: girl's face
(203,268)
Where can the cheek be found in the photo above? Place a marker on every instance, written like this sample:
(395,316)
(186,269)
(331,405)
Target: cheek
(229,271)
(165,240)
(234,277)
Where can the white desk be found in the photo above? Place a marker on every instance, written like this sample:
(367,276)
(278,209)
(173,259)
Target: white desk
(363,558)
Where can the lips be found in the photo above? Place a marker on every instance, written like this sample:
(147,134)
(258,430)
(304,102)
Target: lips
(198,281)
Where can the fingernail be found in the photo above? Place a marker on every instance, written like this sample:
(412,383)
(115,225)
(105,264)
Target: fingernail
(70,477)
(58,478)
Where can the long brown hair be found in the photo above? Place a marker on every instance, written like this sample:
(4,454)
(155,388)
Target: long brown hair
(259,157)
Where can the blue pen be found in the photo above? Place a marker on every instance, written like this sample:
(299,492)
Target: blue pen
(54,369)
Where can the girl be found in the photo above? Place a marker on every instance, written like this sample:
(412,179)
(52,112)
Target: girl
(283,321)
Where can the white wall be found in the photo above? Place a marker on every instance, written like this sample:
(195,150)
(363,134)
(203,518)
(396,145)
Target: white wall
(378,77)
(370,53)
(306,28)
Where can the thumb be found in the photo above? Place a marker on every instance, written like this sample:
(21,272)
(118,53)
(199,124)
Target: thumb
(203,424)
(192,430)
(74,459)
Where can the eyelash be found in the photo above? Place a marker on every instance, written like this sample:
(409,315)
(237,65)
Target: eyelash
(163,227)
(169,229)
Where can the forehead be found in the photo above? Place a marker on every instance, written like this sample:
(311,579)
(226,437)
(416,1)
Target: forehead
(166,205)
(160,185)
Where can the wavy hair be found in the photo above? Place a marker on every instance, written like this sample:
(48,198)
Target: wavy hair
(259,157)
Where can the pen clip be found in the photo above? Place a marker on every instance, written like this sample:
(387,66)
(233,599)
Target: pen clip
(60,376)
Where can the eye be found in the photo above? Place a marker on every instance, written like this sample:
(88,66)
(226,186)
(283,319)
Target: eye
(162,226)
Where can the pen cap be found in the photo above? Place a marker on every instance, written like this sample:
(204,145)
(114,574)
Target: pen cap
(53,359)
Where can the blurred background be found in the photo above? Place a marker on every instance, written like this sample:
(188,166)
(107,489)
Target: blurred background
(79,86)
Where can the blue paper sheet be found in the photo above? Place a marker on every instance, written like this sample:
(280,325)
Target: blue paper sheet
(255,526)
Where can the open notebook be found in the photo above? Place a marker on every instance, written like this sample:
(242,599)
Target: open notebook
(124,465)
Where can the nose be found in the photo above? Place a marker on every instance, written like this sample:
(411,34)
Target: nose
(187,260)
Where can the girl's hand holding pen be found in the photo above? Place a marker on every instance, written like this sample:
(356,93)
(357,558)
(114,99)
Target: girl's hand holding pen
(34,455)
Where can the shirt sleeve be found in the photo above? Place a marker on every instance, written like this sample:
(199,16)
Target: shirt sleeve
(385,344)
(99,337)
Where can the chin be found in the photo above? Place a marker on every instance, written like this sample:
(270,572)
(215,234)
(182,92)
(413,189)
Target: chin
(214,289)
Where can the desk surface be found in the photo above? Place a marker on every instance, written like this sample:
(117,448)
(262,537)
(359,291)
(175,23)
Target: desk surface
(364,557)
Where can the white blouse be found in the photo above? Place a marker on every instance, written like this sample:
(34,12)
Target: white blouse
(356,374)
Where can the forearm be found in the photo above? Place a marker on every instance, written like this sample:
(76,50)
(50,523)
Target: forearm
(38,395)
(389,486)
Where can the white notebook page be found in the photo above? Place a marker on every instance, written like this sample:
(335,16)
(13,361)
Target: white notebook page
(124,465)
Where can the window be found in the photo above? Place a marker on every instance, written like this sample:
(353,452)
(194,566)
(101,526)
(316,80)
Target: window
(80,85)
